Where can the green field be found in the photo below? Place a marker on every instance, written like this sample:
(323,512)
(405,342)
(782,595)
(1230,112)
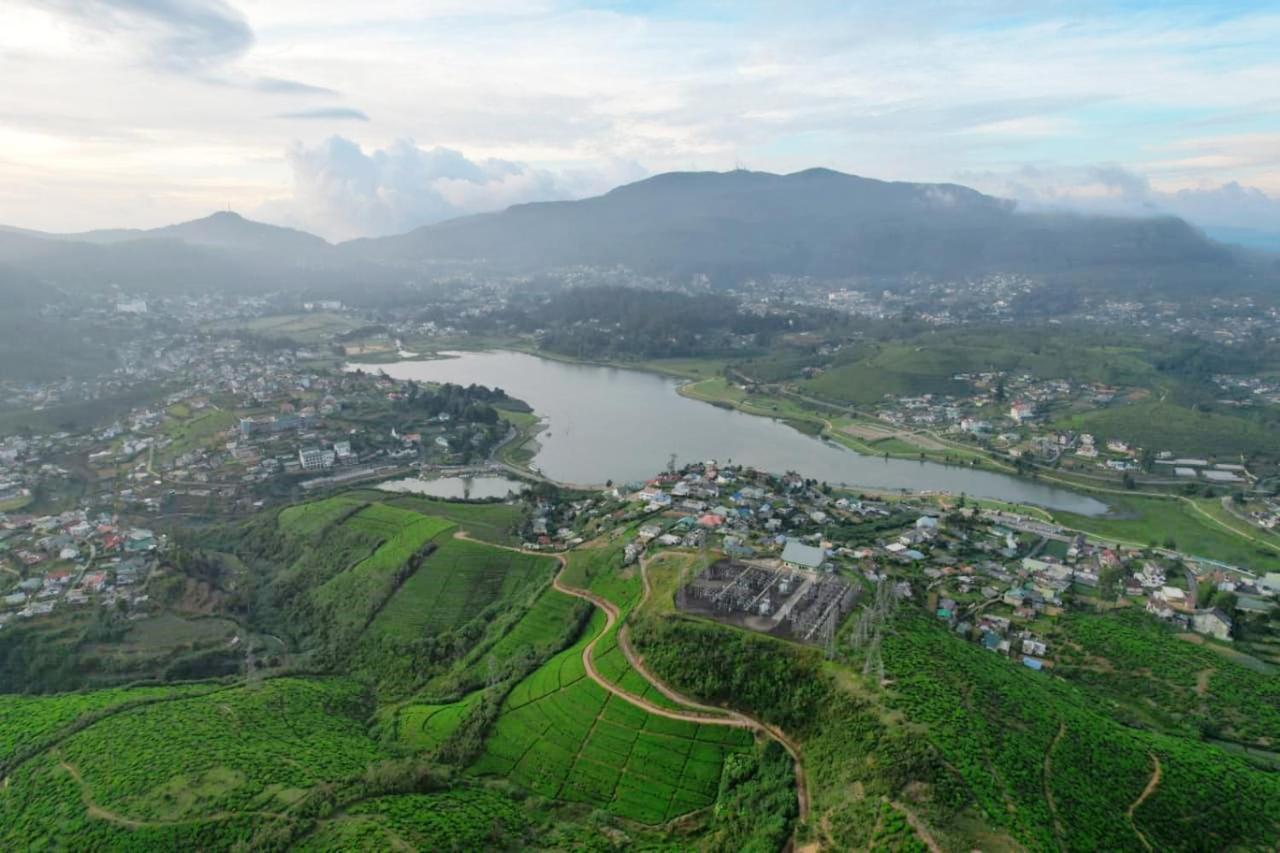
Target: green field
(355,595)
(1045,761)
(489,522)
(457,581)
(1168,681)
(467,819)
(562,736)
(1141,520)
(425,727)
(313,328)
(1164,425)
(189,434)
(201,771)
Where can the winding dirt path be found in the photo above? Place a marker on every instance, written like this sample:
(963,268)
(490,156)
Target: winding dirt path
(918,825)
(637,663)
(1047,775)
(706,714)
(96,811)
(1152,784)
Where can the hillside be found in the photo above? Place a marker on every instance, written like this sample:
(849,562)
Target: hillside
(816,222)
(408,687)
(727,225)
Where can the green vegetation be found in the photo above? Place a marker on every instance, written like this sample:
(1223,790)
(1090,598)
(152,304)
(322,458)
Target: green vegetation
(561,735)
(312,328)
(457,581)
(463,819)
(489,522)
(1029,748)
(204,770)
(1167,425)
(1166,680)
(1143,520)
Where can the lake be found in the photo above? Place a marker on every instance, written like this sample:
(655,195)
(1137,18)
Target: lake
(605,423)
(456,488)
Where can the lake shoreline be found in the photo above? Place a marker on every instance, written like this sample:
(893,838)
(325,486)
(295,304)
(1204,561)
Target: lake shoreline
(592,410)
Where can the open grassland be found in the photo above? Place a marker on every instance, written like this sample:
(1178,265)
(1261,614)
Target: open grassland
(313,328)
(490,522)
(309,520)
(563,736)
(187,434)
(928,365)
(1144,520)
(425,727)
(456,582)
(1166,425)
(541,626)
(623,587)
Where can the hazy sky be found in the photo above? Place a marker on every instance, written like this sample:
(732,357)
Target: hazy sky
(366,117)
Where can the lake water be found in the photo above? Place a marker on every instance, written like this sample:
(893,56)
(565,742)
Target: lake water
(603,423)
(456,488)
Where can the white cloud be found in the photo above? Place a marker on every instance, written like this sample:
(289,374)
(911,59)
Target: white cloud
(1116,190)
(341,192)
(911,92)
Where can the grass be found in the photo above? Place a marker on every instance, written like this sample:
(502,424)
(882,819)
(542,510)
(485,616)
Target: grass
(312,328)
(458,581)
(425,727)
(490,522)
(355,594)
(470,818)
(311,519)
(543,623)
(196,771)
(1164,425)
(15,504)
(197,432)
(1142,520)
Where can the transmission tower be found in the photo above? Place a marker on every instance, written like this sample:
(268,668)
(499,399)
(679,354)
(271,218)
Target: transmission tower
(252,677)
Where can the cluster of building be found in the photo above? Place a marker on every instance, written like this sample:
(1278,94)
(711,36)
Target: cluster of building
(74,559)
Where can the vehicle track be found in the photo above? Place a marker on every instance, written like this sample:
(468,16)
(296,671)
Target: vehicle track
(721,717)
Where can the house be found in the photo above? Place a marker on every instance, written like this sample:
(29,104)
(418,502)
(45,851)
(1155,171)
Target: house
(311,459)
(1021,412)
(797,555)
(1213,622)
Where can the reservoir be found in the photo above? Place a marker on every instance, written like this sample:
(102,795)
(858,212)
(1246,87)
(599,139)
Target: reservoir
(456,488)
(605,423)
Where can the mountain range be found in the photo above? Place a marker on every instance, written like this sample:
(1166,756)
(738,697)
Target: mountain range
(728,225)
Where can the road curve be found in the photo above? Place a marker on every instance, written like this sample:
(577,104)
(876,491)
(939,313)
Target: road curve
(722,717)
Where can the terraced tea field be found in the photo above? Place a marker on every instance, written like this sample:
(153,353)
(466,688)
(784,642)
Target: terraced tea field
(198,771)
(563,736)
(456,583)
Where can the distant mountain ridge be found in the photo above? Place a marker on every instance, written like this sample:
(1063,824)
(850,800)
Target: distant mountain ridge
(729,225)
(816,222)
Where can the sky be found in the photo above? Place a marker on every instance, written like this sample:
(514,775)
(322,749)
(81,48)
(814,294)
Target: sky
(363,118)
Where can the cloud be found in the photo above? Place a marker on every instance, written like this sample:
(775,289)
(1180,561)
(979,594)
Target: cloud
(327,113)
(1116,190)
(282,86)
(186,36)
(341,192)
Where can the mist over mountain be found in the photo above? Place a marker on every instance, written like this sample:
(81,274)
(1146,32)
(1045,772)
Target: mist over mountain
(817,222)
(728,225)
